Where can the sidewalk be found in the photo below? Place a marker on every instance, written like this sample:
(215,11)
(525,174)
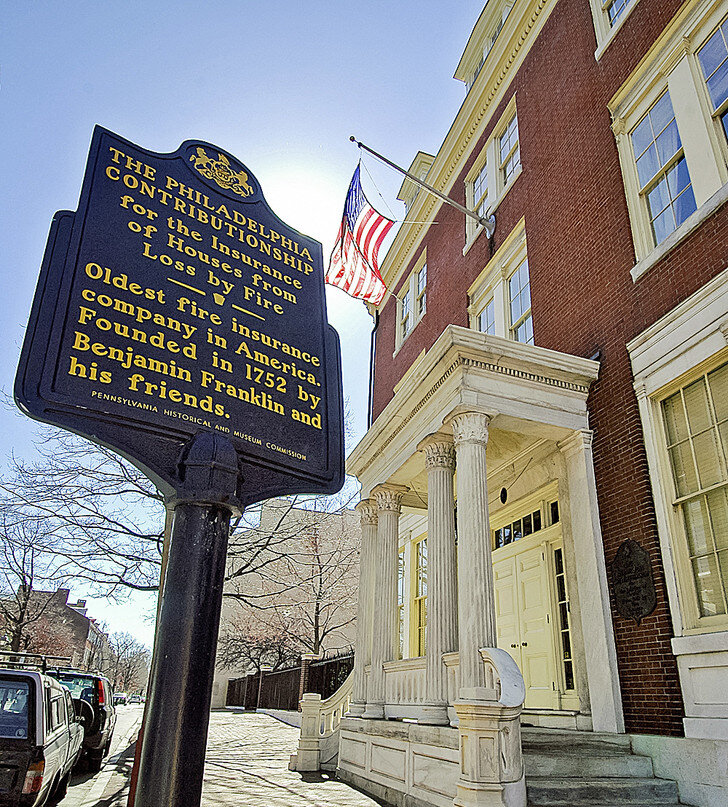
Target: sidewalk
(247,766)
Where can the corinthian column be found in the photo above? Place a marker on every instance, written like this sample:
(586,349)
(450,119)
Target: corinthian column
(385,639)
(363,654)
(476,601)
(442,605)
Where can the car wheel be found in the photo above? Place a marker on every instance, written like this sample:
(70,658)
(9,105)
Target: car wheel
(95,761)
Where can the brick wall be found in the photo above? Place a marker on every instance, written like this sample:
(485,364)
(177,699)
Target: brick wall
(584,300)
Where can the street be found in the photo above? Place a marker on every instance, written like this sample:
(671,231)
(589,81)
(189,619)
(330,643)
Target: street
(246,766)
(86,788)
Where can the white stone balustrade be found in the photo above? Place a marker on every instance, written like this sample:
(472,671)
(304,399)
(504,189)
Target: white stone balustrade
(318,745)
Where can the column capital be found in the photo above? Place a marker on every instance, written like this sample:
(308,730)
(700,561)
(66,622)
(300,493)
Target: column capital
(469,426)
(439,450)
(388,496)
(580,440)
(367,509)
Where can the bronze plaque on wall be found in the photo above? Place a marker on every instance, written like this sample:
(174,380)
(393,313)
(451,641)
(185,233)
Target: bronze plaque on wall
(633,585)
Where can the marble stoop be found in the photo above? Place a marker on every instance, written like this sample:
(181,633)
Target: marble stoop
(582,769)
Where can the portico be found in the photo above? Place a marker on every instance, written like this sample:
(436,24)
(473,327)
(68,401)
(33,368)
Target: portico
(479,425)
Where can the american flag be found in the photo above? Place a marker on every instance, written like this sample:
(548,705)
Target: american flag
(353,265)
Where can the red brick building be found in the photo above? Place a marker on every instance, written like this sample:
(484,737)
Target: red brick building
(587,344)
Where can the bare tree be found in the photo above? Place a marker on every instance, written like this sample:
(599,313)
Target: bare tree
(128,667)
(29,562)
(246,644)
(304,592)
(108,518)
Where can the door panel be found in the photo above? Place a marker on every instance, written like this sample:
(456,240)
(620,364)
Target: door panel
(506,608)
(523,618)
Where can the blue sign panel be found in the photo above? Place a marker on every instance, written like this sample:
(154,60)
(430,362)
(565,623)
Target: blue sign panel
(174,300)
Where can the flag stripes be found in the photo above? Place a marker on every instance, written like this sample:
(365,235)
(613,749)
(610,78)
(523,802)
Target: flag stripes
(354,262)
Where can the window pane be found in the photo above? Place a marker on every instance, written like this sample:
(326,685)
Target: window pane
(708,584)
(706,455)
(517,530)
(560,587)
(524,332)
(14,696)
(661,113)
(678,178)
(697,527)
(647,165)
(718,507)
(642,137)
(668,143)
(677,427)
(527,525)
(615,10)
(487,318)
(718,383)
(718,85)
(712,54)
(696,403)
(663,225)
(683,469)
(658,198)
(537,521)
(684,205)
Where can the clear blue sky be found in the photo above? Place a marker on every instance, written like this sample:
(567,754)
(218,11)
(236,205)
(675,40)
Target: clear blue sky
(281,85)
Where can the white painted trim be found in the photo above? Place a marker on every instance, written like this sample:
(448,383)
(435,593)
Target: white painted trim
(676,237)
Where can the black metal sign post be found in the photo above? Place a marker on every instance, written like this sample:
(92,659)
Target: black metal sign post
(180,322)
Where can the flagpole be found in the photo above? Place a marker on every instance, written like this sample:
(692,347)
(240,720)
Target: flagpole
(487,222)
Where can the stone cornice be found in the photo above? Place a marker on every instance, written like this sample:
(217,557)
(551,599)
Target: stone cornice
(507,54)
(467,351)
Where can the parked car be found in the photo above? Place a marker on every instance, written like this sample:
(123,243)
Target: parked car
(94,701)
(120,698)
(40,738)
(135,699)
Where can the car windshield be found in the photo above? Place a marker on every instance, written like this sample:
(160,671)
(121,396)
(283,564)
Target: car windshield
(14,695)
(80,686)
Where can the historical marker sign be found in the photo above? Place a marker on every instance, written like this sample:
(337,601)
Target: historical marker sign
(174,300)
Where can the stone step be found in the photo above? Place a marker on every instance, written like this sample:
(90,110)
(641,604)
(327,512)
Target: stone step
(599,791)
(567,763)
(577,741)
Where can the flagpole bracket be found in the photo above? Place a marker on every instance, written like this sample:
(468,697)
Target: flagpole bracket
(488,222)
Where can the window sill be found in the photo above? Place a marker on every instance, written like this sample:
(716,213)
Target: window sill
(607,41)
(492,209)
(704,212)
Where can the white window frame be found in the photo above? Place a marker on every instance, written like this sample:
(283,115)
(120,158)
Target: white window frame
(672,65)
(410,291)
(604,30)
(498,187)
(669,355)
(492,283)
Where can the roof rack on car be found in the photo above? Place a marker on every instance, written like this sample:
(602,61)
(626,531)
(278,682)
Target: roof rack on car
(15,660)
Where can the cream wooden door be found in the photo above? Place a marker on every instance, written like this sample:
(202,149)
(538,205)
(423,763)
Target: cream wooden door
(524,623)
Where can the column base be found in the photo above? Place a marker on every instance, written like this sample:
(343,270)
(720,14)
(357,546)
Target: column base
(356,709)
(374,711)
(474,794)
(491,764)
(434,715)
